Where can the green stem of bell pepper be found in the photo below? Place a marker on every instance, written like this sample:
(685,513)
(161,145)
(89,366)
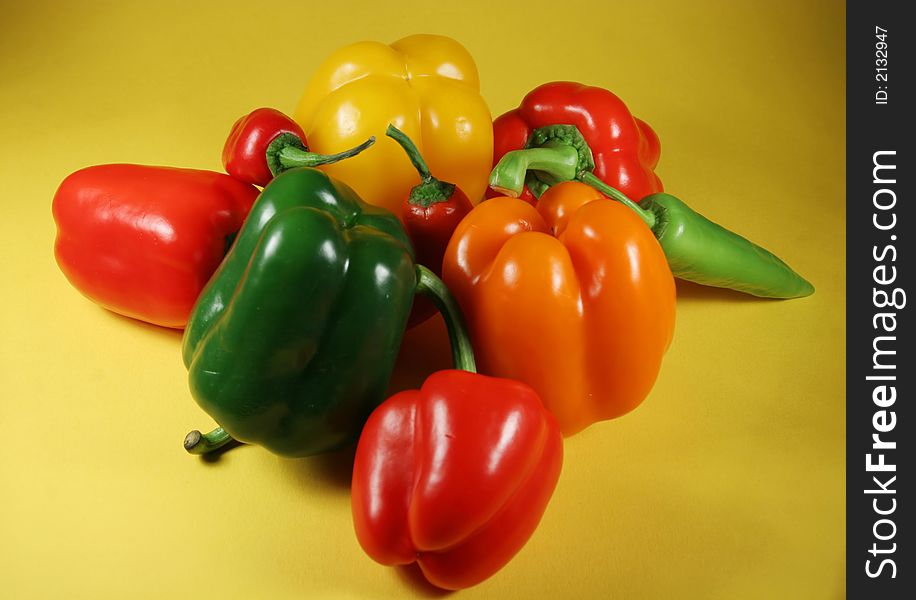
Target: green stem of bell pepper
(432,287)
(558,163)
(287,152)
(552,154)
(202,443)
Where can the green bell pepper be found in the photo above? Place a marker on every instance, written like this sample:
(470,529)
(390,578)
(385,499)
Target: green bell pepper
(292,342)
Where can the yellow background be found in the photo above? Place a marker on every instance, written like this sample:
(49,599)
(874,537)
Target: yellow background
(727,483)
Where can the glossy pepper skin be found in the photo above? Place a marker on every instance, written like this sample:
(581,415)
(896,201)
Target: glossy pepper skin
(143,241)
(266,142)
(245,151)
(573,298)
(704,252)
(292,343)
(425,85)
(625,149)
(454,476)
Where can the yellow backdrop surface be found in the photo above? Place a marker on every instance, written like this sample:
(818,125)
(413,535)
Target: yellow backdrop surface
(728,482)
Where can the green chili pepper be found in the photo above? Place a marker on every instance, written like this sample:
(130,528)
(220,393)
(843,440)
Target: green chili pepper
(292,343)
(697,249)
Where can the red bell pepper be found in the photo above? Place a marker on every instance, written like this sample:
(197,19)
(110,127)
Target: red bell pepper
(143,241)
(625,149)
(265,142)
(455,476)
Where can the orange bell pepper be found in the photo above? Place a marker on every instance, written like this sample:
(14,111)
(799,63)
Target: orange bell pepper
(573,297)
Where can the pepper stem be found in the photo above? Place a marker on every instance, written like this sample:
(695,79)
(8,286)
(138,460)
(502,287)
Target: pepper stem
(411,149)
(554,163)
(435,289)
(284,154)
(430,190)
(591,180)
(203,443)
(550,164)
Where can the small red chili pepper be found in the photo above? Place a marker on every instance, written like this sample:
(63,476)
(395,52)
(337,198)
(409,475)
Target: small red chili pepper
(266,142)
(430,212)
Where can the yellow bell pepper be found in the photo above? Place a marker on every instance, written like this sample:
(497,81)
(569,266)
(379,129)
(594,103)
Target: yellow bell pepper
(426,86)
